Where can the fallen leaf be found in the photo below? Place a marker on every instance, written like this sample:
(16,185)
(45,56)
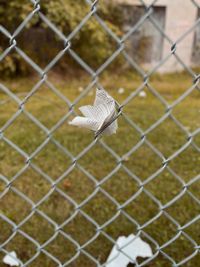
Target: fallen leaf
(66,184)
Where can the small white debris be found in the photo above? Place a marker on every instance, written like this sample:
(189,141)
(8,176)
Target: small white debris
(126,250)
(125,158)
(142,94)
(80,89)
(90,93)
(121,90)
(96,117)
(11,259)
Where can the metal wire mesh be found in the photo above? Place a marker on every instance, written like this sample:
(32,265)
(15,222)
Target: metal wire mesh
(75,164)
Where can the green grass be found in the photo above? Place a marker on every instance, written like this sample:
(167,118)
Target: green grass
(167,138)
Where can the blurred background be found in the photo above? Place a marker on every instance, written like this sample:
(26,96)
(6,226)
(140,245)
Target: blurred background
(147,45)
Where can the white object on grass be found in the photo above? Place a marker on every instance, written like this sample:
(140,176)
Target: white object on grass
(96,117)
(80,89)
(121,90)
(126,250)
(142,94)
(11,259)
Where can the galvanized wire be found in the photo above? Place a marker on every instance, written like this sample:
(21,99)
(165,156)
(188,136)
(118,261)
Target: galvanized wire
(43,73)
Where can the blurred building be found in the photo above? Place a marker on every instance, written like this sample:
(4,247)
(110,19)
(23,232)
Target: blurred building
(148,45)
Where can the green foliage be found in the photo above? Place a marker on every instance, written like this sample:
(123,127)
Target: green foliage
(92,43)
(8,65)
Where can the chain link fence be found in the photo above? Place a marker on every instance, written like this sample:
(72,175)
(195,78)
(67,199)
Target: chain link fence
(103,234)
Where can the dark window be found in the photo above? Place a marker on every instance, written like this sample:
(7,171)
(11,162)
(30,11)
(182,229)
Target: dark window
(145,45)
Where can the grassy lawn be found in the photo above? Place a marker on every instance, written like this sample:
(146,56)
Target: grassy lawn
(91,178)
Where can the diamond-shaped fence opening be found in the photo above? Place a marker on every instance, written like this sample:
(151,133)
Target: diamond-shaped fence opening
(66,196)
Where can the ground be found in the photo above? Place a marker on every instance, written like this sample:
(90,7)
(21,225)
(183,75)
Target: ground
(44,158)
